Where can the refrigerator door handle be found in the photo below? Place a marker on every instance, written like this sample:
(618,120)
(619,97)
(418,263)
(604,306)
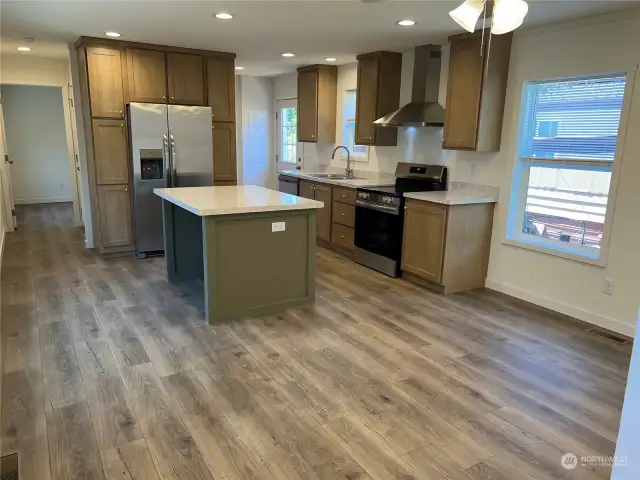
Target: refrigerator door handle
(166,160)
(172,142)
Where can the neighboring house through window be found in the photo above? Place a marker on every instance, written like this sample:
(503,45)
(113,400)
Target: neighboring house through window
(349,126)
(567,147)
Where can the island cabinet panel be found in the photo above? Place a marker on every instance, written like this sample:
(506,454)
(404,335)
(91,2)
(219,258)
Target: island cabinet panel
(104,67)
(476,92)
(115,216)
(224,152)
(185,75)
(147,75)
(317,100)
(221,87)
(446,248)
(110,152)
(378,94)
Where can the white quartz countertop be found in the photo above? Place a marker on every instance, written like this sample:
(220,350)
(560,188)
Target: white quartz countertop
(454,197)
(205,201)
(373,179)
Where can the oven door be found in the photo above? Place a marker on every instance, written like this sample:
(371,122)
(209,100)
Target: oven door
(378,230)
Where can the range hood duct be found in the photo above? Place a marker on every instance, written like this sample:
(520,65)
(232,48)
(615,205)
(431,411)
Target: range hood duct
(424,109)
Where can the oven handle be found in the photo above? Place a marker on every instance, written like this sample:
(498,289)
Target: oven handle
(378,208)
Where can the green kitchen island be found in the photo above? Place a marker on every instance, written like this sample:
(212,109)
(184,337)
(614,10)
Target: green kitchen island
(251,250)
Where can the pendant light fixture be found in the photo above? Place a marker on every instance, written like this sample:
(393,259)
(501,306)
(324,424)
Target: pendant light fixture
(507,15)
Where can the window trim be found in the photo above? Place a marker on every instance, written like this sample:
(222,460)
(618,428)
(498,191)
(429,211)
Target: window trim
(513,235)
(355,156)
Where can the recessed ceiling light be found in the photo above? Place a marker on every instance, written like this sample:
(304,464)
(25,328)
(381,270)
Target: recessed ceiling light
(288,55)
(24,49)
(112,34)
(239,68)
(330,59)
(224,16)
(406,23)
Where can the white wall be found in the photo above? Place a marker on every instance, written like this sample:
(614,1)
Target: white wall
(600,44)
(255,130)
(35,131)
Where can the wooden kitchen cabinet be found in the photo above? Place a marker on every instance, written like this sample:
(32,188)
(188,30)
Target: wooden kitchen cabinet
(323,215)
(104,66)
(446,247)
(110,152)
(378,94)
(321,193)
(185,75)
(147,75)
(115,216)
(224,152)
(476,92)
(221,89)
(317,98)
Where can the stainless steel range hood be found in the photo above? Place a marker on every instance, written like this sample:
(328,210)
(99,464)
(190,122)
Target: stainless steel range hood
(424,109)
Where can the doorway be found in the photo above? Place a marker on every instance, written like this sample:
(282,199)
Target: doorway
(41,164)
(287,148)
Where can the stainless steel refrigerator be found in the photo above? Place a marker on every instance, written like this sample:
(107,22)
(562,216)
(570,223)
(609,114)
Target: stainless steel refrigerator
(171,146)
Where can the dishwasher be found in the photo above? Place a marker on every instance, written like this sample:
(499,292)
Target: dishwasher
(287,184)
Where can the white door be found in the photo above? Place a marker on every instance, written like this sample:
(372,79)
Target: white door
(287,149)
(5,177)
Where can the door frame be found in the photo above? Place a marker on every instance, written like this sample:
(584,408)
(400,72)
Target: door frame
(71,138)
(280,166)
(8,204)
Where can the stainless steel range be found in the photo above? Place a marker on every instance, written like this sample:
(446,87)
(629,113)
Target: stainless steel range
(380,215)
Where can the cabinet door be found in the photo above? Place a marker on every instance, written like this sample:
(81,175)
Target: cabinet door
(221,88)
(323,216)
(110,152)
(224,152)
(308,106)
(104,67)
(463,94)
(423,240)
(147,76)
(366,101)
(185,75)
(307,190)
(115,216)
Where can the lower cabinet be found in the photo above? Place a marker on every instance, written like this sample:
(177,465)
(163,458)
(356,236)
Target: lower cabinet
(447,247)
(115,216)
(323,216)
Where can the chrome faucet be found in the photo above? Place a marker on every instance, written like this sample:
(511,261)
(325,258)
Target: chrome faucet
(348,171)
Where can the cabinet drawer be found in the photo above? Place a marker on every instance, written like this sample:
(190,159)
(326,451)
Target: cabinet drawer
(344,195)
(344,214)
(426,207)
(342,236)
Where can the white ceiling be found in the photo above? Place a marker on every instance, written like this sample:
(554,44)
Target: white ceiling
(261,30)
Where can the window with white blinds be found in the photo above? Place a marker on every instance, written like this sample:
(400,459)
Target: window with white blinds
(572,121)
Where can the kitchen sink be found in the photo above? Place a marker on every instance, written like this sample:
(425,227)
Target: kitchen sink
(332,176)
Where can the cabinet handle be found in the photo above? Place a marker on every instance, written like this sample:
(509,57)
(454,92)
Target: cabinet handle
(344,196)
(213,126)
(342,237)
(173,98)
(344,215)
(120,112)
(164,97)
(126,189)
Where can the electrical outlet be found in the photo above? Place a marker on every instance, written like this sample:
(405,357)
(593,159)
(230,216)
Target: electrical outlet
(609,286)
(278,226)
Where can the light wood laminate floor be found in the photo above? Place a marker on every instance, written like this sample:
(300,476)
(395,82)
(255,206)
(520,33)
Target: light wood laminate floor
(111,373)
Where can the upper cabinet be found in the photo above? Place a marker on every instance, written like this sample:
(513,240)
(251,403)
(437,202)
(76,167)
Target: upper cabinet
(147,75)
(476,91)
(110,151)
(104,66)
(185,75)
(317,99)
(378,93)
(221,89)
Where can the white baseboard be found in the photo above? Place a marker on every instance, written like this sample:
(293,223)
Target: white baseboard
(556,306)
(30,201)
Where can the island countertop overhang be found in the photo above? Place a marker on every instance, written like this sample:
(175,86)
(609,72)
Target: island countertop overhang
(231,200)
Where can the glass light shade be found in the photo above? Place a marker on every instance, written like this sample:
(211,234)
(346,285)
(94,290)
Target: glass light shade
(508,15)
(467,14)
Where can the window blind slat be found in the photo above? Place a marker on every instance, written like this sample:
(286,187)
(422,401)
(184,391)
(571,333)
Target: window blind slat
(573,119)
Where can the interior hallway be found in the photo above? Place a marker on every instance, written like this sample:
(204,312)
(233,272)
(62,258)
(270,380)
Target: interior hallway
(111,373)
